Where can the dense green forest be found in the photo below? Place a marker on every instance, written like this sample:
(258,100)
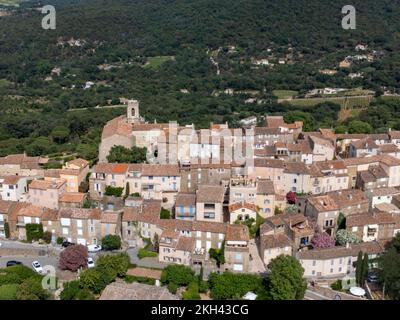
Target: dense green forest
(178,57)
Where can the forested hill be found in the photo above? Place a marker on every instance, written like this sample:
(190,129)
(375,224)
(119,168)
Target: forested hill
(180,58)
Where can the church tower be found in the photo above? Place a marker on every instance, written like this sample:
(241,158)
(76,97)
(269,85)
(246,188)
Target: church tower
(133,115)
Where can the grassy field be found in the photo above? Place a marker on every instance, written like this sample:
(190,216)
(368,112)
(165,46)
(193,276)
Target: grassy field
(4,83)
(155,62)
(284,94)
(344,102)
(14,3)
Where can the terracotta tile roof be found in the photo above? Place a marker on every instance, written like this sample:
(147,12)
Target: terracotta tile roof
(160,170)
(274,121)
(110,168)
(29,210)
(117,126)
(73,197)
(185,199)
(296,168)
(275,241)
(237,232)
(135,167)
(109,217)
(169,233)
(149,211)
(238,205)
(268,163)
(360,220)
(267,151)
(120,290)
(388,148)
(394,134)
(331,165)
(213,227)
(6,206)
(10,179)
(390,161)
(50,215)
(52,173)
(379,192)
(342,251)
(386,208)
(267,131)
(323,203)
(79,162)
(45,185)
(70,172)
(186,244)
(366,143)
(210,194)
(79,213)
(348,197)
(265,187)
(150,126)
(362,160)
(145,272)
(368,219)
(23,160)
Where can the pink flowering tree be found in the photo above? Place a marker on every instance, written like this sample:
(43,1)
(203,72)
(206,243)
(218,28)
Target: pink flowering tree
(291,197)
(322,240)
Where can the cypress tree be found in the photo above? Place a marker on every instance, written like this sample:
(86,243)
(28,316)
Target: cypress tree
(359,265)
(364,272)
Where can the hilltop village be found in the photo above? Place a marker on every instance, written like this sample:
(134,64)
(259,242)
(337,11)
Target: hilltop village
(318,196)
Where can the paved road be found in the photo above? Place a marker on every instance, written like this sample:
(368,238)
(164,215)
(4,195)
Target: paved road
(53,261)
(310,295)
(145,262)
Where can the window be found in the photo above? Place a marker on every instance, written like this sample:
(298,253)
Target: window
(314,263)
(208,235)
(238,256)
(65,230)
(332,262)
(331,270)
(198,234)
(209,215)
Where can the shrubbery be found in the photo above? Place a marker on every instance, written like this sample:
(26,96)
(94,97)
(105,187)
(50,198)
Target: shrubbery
(34,232)
(192,292)
(21,283)
(111,242)
(178,274)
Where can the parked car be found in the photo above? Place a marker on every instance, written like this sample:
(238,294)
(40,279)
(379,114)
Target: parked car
(37,266)
(94,248)
(13,263)
(373,277)
(90,263)
(66,244)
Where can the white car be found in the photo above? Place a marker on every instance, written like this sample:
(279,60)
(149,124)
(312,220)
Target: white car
(94,248)
(90,263)
(37,266)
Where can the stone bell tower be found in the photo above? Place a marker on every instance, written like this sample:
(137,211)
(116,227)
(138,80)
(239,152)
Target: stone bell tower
(133,115)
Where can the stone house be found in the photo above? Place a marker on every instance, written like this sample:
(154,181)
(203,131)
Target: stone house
(13,188)
(209,205)
(46,193)
(185,206)
(335,262)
